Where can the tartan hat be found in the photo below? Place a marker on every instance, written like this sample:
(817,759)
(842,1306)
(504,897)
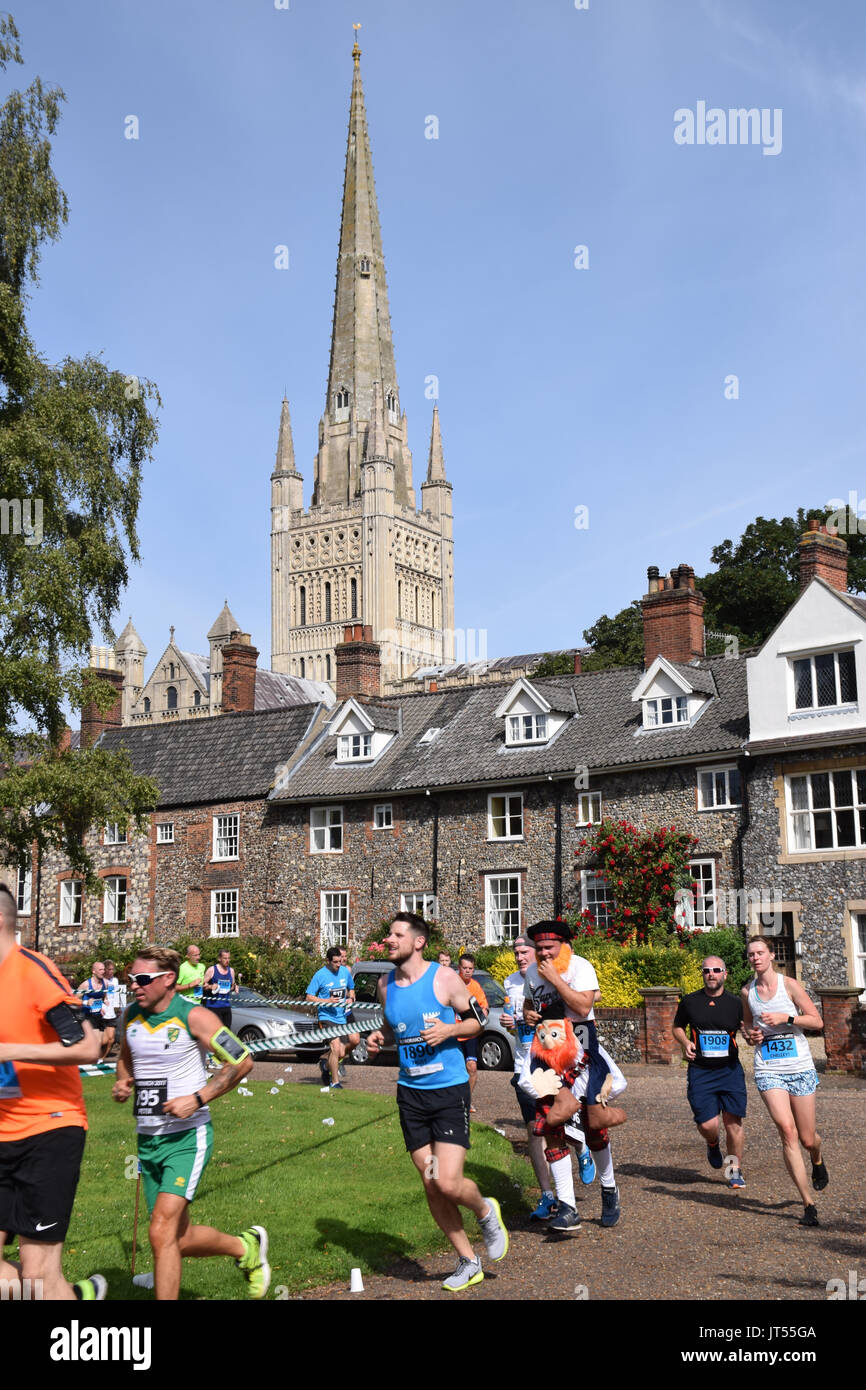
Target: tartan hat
(558,931)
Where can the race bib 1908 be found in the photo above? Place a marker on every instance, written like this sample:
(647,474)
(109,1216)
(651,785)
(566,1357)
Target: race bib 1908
(713,1045)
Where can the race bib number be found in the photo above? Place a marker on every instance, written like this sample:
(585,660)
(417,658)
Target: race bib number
(9,1087)
(338,994)
(416,1057)
(150,1097)
(525,1031)
(713,1045)
(782,1045)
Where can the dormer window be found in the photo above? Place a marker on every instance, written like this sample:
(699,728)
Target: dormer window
(825,680)
(666,709)
(354,747)
(364,265)
(527,728)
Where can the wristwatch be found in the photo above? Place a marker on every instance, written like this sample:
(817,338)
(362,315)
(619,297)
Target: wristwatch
(791,1018)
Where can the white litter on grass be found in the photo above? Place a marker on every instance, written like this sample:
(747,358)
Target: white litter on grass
(324,1090)
(275,1092)
(280,1081)
(144,1281)
(287,1068)
(498,1130)
(356,1283)
(329,1121)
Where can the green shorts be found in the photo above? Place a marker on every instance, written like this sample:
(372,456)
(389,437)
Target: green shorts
(174,1162)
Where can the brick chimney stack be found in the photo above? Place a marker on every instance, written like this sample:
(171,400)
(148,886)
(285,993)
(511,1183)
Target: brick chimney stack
(673,616)
(239,674)
(358,663)
(823,555)
(93,724)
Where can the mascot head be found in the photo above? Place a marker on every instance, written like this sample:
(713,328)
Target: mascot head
(555,1045)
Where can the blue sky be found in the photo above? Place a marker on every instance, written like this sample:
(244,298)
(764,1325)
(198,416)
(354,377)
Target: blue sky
(602,387)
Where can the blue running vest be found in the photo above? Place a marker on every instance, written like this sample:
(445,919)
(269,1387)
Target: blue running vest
(408,1009)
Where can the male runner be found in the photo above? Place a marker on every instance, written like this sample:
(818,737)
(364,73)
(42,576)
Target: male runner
(715,1077)
(577,990)
(469,1045)
(524,952)
(335,984)
(110,1009)
(425,1008)
(44,1036)
(219,986)
(93,994)
(190,981)
(162,1058)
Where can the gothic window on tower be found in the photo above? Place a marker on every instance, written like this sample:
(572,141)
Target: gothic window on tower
(341,404)
(303,668)
(393,408)
(146,705)
(327,668)
(327,603)
(302,603)
(354,598)
(364,265)
(171,698)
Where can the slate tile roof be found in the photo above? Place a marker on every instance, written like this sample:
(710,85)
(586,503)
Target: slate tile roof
(273,690)
(607,733)
(227,758)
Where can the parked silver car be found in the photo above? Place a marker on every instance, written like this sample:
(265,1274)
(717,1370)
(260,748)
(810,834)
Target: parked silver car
(495,1045)
(255,1018)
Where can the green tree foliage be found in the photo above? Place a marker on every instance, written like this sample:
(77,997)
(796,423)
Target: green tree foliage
(554,664)
(73,439)
(616,641)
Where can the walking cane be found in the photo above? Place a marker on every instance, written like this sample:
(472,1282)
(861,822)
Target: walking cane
(135,1220)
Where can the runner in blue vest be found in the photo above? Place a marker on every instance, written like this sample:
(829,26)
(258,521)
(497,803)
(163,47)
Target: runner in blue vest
(219,986)
(426,1005)
(93,994)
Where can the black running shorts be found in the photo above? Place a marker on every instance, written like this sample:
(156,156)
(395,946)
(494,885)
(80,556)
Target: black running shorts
(38,1178)
(434,1115)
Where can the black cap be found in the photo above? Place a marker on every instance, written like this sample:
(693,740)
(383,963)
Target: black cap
(559,929)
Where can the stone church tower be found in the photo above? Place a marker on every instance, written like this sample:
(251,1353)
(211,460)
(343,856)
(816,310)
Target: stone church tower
(362,551)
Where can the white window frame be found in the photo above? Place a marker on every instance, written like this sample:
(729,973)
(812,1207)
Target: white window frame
(705,899)
(527,728)
(114,835)
(24,891)
(383,816)
(654,710)
(71,902)
(838,703)
(426,905)
(596,896)
(496,931)
(227,834)
(165,832)
(508,814)
(224,907)
(324,820)
(115,900)
(858,948)
(589,811)
(334,917)
(354,748)
(805,815)
(724,772)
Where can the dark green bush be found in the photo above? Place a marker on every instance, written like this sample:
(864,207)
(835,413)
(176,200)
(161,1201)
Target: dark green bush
(730,944)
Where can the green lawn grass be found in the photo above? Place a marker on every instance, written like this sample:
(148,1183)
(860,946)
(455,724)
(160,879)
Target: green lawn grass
(332,1197)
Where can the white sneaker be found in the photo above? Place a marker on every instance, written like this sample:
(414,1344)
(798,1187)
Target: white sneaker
(493,1231)
(467,1272)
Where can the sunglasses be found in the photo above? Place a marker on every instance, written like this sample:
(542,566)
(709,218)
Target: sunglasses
(144,980)
(713,970)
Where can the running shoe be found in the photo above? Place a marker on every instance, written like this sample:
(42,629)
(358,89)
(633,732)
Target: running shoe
(810,1217)
(566,1220)
(324,1071)
(820,1176)
(714,1156)
(586,1164)
(467,1272)
(493,1231)
(92,1289)
(546,1208)
(736,1179)
(337,1086)
(254,1262)
(610,1208)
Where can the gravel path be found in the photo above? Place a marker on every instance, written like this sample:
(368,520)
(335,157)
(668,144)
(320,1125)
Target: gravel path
(683,1234)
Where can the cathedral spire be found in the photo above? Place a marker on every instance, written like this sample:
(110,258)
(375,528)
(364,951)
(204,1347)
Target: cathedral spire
(436,458)
(285,448)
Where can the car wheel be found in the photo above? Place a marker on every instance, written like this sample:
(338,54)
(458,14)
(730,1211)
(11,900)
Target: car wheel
(251,1034)
(493,1053)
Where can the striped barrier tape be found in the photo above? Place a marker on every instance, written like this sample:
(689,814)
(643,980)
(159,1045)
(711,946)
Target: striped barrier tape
(282,1043)
(239,1002)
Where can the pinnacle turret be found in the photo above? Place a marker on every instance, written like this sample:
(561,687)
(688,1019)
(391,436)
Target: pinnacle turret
(377,443)
(285,462)
(436,458)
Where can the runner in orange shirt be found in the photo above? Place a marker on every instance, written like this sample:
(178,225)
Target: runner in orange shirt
(43,1038)
(469,1046)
